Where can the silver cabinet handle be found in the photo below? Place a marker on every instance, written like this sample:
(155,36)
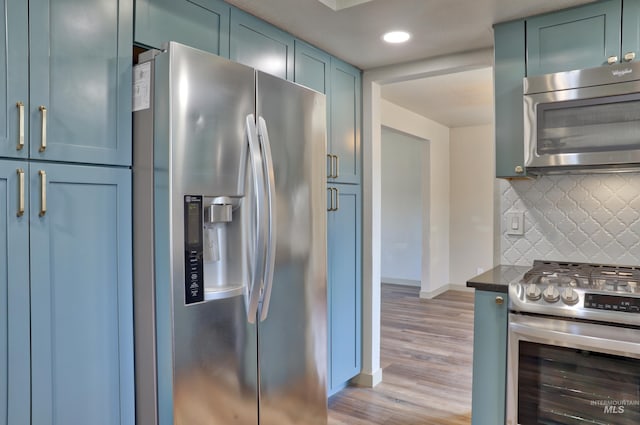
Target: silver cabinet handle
(337,207)
(330,193)
(499,300)
(519,169)
(335,171)
(20,107)
(612,59)
(629,56)
(43,192)
(329,166)
(20,172)
(43,140)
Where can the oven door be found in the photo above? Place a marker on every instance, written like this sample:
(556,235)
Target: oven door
(566,372)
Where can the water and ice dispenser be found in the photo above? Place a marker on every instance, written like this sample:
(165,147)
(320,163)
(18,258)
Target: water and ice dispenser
(214,261)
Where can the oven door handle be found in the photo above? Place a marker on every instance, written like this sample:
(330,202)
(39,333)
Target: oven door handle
(602,338)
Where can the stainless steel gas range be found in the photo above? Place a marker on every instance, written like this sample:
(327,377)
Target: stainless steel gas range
(574,345)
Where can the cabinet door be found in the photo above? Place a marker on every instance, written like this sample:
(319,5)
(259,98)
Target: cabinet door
(346,105)
(14,89)
(80,71)
(577,38)
(14,296)
(81,295)
(509,70)
(311,67)
(203,24)
(631,31)
(262,46)
(345,285)
(489,358)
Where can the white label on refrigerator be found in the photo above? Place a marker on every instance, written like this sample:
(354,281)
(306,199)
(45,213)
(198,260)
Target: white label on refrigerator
(141,86)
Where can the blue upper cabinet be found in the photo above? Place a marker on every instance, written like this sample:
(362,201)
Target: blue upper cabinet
(203,24)
(81,295)
(257,44)
(14,294)
(311,67)
(344,141)
(508,72)
(582,37)
(630,30)
(14,85)
(80,80)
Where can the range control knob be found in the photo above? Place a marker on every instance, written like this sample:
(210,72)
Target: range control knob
(551,294)
(533,292)
(569,296)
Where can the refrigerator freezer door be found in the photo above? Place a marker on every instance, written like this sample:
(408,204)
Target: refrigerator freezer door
(292,338)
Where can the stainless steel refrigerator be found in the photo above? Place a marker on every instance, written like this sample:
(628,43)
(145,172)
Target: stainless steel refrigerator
(229,244)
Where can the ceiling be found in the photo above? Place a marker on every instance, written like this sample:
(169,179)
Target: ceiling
(351,30)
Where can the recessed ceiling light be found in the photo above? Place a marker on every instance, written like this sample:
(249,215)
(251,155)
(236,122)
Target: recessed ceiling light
(396,37)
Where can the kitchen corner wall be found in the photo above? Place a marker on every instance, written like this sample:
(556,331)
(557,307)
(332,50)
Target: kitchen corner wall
(584,218)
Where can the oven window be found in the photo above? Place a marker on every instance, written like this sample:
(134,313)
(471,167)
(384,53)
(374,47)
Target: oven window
(563,386)
(587,125)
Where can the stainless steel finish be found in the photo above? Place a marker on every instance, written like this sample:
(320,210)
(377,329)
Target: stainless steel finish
(333,199)
(20,173)
(206,362)
(533,292)
(612,59)
(337,207)
(293,355)
(330,198)
(569,296)
(20,107)
(551,294)
(614,340)
(608,81)
(330,166)
(519,169)
(629,56)
(499,300)
(43,134)
(257,269)
(43,193)
(270,253)
(337,167)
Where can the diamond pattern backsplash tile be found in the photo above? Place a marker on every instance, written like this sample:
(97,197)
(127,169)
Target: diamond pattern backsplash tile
(587,218)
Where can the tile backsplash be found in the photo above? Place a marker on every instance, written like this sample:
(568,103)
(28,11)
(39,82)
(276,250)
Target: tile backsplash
(587,218)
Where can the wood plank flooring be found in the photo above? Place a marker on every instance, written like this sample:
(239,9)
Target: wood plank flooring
(426,356)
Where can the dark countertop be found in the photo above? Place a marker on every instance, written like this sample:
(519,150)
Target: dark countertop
(498,278)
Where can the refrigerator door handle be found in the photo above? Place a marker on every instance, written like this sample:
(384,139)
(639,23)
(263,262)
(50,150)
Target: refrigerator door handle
(259,248)
(263,136)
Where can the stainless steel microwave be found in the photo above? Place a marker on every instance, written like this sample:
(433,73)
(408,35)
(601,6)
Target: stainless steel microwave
(583,121)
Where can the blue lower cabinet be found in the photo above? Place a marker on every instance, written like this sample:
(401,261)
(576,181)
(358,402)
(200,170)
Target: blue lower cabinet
(489,358)
(344,284)
(81,295)
(14,294)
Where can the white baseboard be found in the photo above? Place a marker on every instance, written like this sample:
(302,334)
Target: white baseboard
(441,290)
(394,281)
(368,380)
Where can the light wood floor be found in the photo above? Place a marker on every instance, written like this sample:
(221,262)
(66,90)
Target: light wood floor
(426,359)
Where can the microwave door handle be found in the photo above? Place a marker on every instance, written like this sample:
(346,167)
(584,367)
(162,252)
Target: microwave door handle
(258,244)
(263,136)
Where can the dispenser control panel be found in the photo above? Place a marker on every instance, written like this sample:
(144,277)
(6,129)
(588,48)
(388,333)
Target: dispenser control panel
(193,250)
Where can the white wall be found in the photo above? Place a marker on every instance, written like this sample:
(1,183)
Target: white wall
(435,238)
(472,201)
(402,179)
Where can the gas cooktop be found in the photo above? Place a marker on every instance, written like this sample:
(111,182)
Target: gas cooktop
(581,290)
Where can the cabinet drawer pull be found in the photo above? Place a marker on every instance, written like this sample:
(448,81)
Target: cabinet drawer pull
(335,171)
(330,166)
(330,200)
(20,172)
(519,169)
(20,107)
(499,300)
(612,59)
(43,192)
(629,56)
(43,141)
(337,207)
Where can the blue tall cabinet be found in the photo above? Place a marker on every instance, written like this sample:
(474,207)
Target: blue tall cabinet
(66,344)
